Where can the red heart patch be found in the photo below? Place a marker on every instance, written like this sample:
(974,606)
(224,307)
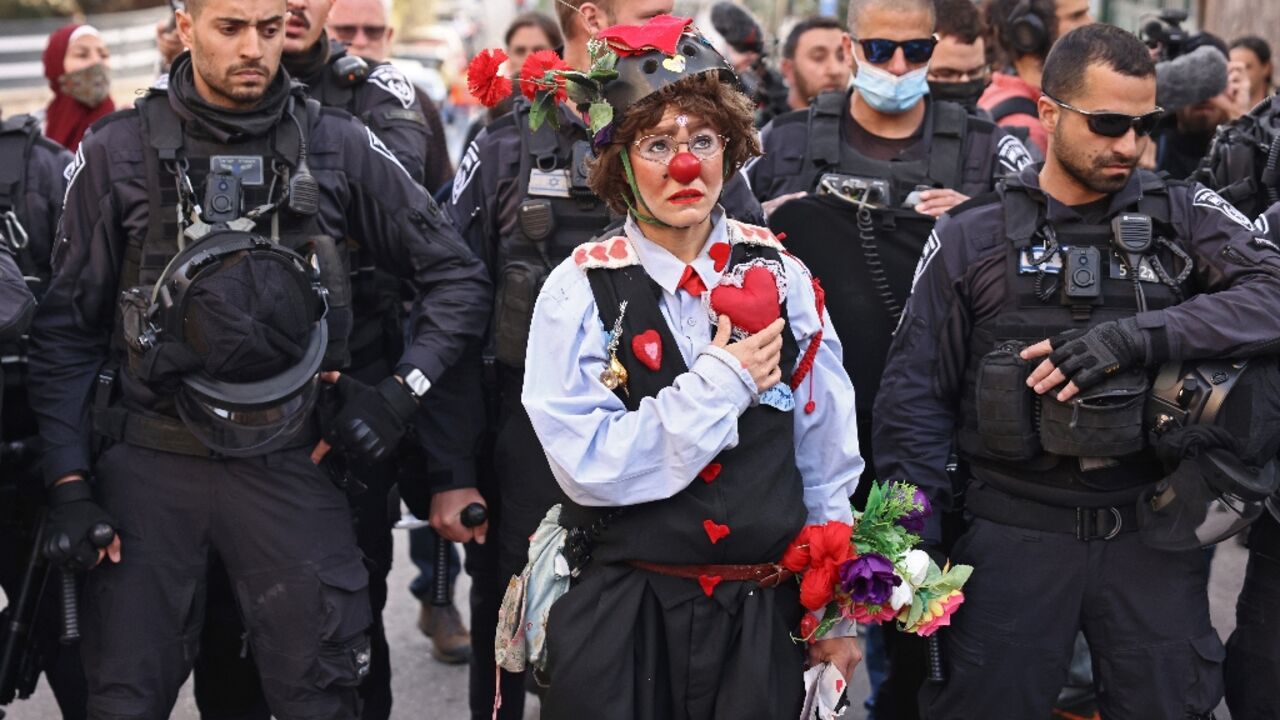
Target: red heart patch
(579,256)
(710,472)
(839,685)
(715,531)
(720,255)
(648,349)
(708,583)
(619,248)
(754,305)
(597,251)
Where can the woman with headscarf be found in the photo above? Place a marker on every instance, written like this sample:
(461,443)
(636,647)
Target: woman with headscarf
(77,66)
(686,386)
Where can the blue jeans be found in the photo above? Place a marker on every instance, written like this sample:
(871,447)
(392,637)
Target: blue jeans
(422,550)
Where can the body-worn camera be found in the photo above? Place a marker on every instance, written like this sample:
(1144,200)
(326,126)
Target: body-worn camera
(223,198)
(1083,273)
(872,192)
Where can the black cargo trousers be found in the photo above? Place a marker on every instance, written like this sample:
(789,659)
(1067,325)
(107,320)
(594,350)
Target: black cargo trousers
(284,532)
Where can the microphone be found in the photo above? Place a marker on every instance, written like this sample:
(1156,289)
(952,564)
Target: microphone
(1191,78)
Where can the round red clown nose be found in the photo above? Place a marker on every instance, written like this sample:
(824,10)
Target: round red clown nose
(685,168)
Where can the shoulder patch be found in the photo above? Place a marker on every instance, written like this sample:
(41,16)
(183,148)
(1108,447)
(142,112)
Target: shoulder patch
(740,232)
(466,172)
(1012,154)
(72,171)
(379,147)
(394,83)
(609,254)
(1207,198)
(987,198)
(926,254)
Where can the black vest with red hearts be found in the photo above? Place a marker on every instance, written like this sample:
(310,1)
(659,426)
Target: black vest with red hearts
(744,507)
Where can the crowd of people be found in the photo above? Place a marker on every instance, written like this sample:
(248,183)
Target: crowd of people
(681,315)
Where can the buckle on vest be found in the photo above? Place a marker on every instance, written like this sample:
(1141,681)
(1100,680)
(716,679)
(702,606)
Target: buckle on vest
(1089,523)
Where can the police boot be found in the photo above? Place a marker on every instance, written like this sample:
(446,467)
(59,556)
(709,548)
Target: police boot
(450,640)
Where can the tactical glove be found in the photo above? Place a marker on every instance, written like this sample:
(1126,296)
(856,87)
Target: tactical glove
(76,527)
(1087,357)
(372,420)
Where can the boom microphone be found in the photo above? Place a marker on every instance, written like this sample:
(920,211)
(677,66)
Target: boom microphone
(1191,78)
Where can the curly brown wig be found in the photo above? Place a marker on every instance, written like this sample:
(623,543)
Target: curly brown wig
(704,95)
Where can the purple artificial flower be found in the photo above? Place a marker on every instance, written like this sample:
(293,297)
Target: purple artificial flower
(605,136)
(913,522)
(869,579)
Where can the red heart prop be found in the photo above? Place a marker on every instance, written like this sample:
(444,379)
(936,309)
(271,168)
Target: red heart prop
(599,253)
(710,472)
(708,583)
(648,349)
(754,305)
(720,254)
(619,248)
(715,531)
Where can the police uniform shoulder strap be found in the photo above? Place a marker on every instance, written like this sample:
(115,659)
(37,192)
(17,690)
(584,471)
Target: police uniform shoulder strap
(946,148)
(824,128)
(1022,212)
(1155,198)
(161,125)
(17,136)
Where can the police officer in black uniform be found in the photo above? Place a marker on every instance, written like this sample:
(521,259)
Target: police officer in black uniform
(1121,270)
(177,490)
(521,200)
(32,184)
(384,99)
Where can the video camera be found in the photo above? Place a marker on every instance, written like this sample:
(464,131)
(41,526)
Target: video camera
(1165,33)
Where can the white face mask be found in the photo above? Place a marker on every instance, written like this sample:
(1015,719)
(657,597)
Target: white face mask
(891,93)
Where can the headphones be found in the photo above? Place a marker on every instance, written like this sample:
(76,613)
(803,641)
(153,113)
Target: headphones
(1025,31)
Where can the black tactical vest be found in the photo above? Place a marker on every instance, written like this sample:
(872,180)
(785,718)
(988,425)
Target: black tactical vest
(551,213)
(1003,422)
(18,134)
(757,492)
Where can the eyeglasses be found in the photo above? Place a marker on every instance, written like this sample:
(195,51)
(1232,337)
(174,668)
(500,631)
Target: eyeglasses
(1114,125)
(949,75)
(704,145)
(880,51)
(347,33)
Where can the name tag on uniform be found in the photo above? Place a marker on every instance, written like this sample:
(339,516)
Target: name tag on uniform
(549,183)
(246,167)
(1121,271)
(1052,264)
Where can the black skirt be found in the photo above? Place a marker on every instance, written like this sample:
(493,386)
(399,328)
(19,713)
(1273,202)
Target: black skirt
(625,644)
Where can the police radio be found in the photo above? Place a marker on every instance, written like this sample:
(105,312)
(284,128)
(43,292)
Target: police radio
(1132,237)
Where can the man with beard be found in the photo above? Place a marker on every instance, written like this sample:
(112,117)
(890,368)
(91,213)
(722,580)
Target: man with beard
(383,98)
(817,57)
(960,70)
(520,199)
(1051,430)
(184,480)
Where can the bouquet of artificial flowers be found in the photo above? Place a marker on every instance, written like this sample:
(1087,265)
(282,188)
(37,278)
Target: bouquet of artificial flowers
(873,571)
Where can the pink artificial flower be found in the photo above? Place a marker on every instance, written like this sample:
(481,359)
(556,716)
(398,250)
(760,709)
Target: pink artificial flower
(868,614)
(939,615)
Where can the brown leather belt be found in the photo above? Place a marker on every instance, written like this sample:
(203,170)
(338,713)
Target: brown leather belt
(766,575)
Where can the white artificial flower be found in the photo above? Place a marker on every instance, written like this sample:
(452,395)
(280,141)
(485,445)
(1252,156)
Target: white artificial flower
(917,564)
(901,596)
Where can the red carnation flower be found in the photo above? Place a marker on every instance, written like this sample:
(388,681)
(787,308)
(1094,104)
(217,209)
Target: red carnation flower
(484,79)
(796,558)
(536,66)
(661,33)
(818,587)
(829,543)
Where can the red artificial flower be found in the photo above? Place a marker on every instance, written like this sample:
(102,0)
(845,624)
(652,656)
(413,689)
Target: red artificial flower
(808,626)
(661,33)
(536,67)
(818,587)
(484,79)
(829,543)
(796,558)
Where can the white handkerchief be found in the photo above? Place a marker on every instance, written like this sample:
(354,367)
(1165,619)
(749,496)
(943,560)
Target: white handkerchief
(824,693)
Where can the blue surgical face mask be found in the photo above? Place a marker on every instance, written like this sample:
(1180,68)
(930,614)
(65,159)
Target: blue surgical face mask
(891,93)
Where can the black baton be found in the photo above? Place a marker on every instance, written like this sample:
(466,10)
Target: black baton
(473,515)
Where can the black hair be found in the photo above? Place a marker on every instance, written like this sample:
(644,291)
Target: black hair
(998,13)
(815,22)
(1259,47)
(1097,44)
(960,19)
(538,20)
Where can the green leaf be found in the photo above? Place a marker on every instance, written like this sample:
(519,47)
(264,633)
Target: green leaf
(605,62)
(601,115)
(537,114)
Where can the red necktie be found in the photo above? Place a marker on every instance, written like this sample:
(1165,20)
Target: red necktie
(691,283)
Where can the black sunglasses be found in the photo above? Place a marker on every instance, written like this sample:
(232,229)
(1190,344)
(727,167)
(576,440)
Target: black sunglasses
(1114,125)
(879,50)
(347,33)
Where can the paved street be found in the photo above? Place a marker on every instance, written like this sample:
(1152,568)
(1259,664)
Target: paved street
(427,690)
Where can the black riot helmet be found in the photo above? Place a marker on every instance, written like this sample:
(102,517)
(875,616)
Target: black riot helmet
(236,326)
(641,75)
(1217,424)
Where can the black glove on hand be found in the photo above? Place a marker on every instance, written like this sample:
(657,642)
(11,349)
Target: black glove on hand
(1087,357)
(372,419)
(76,527)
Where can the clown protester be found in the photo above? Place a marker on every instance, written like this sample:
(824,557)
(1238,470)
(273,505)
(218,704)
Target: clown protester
(687,388)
